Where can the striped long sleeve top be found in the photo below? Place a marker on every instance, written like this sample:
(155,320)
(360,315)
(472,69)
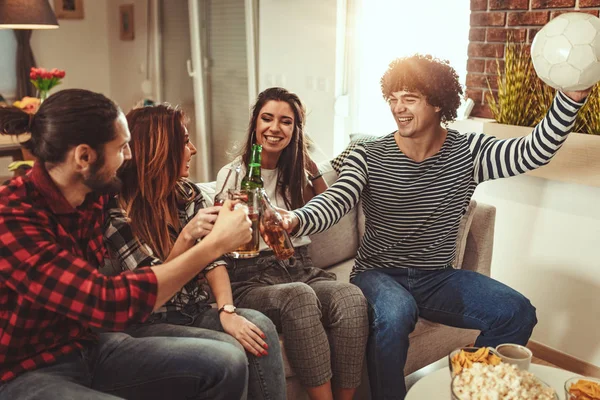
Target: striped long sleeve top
(413,209)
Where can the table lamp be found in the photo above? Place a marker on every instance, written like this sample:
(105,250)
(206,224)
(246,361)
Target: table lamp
(27,14)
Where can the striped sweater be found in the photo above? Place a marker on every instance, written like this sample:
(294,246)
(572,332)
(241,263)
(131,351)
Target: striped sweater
(413,209)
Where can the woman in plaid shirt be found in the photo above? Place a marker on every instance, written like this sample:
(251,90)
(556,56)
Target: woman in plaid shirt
(160,214)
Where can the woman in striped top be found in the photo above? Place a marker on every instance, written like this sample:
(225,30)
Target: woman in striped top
(415,185)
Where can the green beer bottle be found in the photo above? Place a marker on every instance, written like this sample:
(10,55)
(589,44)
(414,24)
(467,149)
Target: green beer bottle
(253,180)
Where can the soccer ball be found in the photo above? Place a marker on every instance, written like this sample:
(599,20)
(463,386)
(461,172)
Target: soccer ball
(566,52)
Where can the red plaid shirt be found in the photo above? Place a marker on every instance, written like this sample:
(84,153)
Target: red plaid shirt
(51,292)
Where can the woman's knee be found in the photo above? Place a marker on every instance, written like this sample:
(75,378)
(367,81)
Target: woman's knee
(345,301)
(346,295)
(297,296)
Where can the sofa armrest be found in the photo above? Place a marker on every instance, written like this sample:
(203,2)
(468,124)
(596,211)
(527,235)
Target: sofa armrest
(480,240)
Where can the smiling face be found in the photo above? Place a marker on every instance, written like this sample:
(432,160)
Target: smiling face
(275,127)
(188,151)
(414,116)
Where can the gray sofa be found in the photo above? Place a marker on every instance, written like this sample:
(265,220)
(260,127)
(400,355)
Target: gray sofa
(335,249)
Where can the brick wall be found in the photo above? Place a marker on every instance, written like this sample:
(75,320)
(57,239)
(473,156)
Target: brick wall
(491,21)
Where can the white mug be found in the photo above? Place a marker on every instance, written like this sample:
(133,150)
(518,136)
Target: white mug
(515,354)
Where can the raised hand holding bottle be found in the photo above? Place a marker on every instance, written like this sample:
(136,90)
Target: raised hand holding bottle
(272,230)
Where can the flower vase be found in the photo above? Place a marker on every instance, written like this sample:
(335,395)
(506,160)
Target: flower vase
(42,94)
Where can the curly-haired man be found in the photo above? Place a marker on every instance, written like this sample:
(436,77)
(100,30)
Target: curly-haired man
(415,185)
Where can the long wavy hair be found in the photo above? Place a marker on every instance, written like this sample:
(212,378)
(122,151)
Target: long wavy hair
(151,178)
(292,163)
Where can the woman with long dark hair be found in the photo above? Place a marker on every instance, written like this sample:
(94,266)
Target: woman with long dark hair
(324,322)
(160,214)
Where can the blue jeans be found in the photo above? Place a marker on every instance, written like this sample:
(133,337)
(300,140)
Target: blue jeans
(123,367)
(266,374)
(459,298)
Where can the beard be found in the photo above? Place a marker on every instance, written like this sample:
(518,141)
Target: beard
(100,181)
(103,185)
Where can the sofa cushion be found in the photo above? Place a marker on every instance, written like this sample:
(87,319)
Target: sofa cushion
(355,139)
(342,270)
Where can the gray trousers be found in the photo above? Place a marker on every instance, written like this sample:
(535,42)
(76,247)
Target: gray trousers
(324,322)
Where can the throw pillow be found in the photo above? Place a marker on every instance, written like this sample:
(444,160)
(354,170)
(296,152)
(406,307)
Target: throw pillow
(355,139)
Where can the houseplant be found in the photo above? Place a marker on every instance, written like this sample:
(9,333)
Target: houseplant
(523,99)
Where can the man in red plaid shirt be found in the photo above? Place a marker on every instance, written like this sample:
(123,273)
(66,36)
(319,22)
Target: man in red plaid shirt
(52,297)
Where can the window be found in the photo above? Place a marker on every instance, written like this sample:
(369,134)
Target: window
(8,73)
(387,29)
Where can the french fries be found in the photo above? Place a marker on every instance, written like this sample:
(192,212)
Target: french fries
(584,390)
(465,359)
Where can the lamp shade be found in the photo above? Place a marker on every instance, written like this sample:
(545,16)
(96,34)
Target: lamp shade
(27,14)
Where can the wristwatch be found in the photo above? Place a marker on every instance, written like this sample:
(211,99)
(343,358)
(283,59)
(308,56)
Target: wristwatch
(228,308)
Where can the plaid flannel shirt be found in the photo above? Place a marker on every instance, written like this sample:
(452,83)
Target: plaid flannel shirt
(127,253)
(51,292)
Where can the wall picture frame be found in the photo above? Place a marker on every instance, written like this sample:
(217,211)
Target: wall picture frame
(68,9)
(126,22)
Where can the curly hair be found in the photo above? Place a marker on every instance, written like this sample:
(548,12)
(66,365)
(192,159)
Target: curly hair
(432,77)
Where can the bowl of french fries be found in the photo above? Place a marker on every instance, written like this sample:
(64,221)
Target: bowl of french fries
(465,357)
(578,388)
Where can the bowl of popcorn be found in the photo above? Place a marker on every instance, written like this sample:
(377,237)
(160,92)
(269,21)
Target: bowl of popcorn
(582,389)
(465,357)
(502,381)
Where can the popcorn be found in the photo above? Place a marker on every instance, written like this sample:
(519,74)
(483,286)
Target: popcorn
(495,382)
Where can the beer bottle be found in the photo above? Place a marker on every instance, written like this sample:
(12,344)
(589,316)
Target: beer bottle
(272,229)
(253,180)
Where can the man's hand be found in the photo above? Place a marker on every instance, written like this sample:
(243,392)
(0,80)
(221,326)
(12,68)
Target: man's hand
(245,332)
(578,95)
(201,224)
(232,228)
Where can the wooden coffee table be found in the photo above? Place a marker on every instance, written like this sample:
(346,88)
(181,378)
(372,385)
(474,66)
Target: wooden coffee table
(437,384)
